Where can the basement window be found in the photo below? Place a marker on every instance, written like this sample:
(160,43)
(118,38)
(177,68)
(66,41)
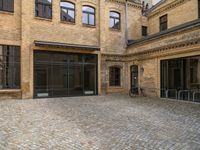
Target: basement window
(7,5)
(43,8)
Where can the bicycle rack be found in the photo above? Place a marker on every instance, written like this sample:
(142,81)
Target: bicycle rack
(182,91)
(167,93)
(195,92)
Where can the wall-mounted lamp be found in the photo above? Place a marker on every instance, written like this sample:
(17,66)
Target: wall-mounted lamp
(142,69)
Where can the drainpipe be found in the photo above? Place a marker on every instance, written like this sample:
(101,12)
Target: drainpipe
(126,22)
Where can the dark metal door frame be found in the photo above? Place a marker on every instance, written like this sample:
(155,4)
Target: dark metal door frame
(134,79)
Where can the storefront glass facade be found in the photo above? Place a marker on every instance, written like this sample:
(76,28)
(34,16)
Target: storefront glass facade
(64,74)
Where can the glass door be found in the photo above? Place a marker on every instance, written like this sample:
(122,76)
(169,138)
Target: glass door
(134,80)
(90,80)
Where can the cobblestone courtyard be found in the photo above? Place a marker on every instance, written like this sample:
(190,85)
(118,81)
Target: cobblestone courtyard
(114,122)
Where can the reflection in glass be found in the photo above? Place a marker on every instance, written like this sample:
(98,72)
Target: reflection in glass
(114,20)
(61,74)
(67,11)
(75,80)
(88,15)
(181,74)
(90,79)
(9,67)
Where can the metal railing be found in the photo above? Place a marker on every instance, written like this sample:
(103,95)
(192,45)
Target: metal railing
(171,93)
(194,94)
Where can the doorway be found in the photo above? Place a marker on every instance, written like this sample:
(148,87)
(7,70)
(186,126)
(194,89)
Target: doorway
(134,80)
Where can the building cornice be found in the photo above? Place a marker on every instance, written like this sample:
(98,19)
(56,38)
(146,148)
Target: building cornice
(154,52)
(130,3)
(175,30)
(166,8)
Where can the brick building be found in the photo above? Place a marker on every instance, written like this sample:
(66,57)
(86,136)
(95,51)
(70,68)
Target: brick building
(58,48)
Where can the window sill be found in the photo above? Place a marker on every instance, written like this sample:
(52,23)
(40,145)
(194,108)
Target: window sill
(6,12)
(115,87)
(115,30)
(45,19)
(70,23)
(9,90)
(89,26)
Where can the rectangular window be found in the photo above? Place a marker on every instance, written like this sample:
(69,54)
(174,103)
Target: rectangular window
(9,67)
(163,23)
(43,8)
(115,76)
(7,5)
(144,31)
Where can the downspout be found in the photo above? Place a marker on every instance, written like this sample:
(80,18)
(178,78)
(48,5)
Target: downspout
(126,22)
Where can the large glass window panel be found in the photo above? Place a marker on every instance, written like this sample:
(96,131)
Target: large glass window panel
(91,59)
(62,74)
(181,74)
(76,80)
(90,80)
(42,80)
(75,58)
(9,67)
(60,80)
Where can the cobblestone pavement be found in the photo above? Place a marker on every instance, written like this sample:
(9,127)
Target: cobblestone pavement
(114,122)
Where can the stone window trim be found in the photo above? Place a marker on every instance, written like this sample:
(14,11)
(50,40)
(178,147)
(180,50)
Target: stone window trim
(43,19)
(6,12)
(3,6)
(89,14)
(68,9)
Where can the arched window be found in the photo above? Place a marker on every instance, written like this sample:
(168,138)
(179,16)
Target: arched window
(88,15)
(115,20)
(115,76)
(67,11)
(43,8)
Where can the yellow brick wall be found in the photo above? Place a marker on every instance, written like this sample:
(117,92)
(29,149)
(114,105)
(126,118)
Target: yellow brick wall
(10,25)
(177,15)
(114,41)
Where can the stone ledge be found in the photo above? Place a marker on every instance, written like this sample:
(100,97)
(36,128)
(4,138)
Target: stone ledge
(10,94)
